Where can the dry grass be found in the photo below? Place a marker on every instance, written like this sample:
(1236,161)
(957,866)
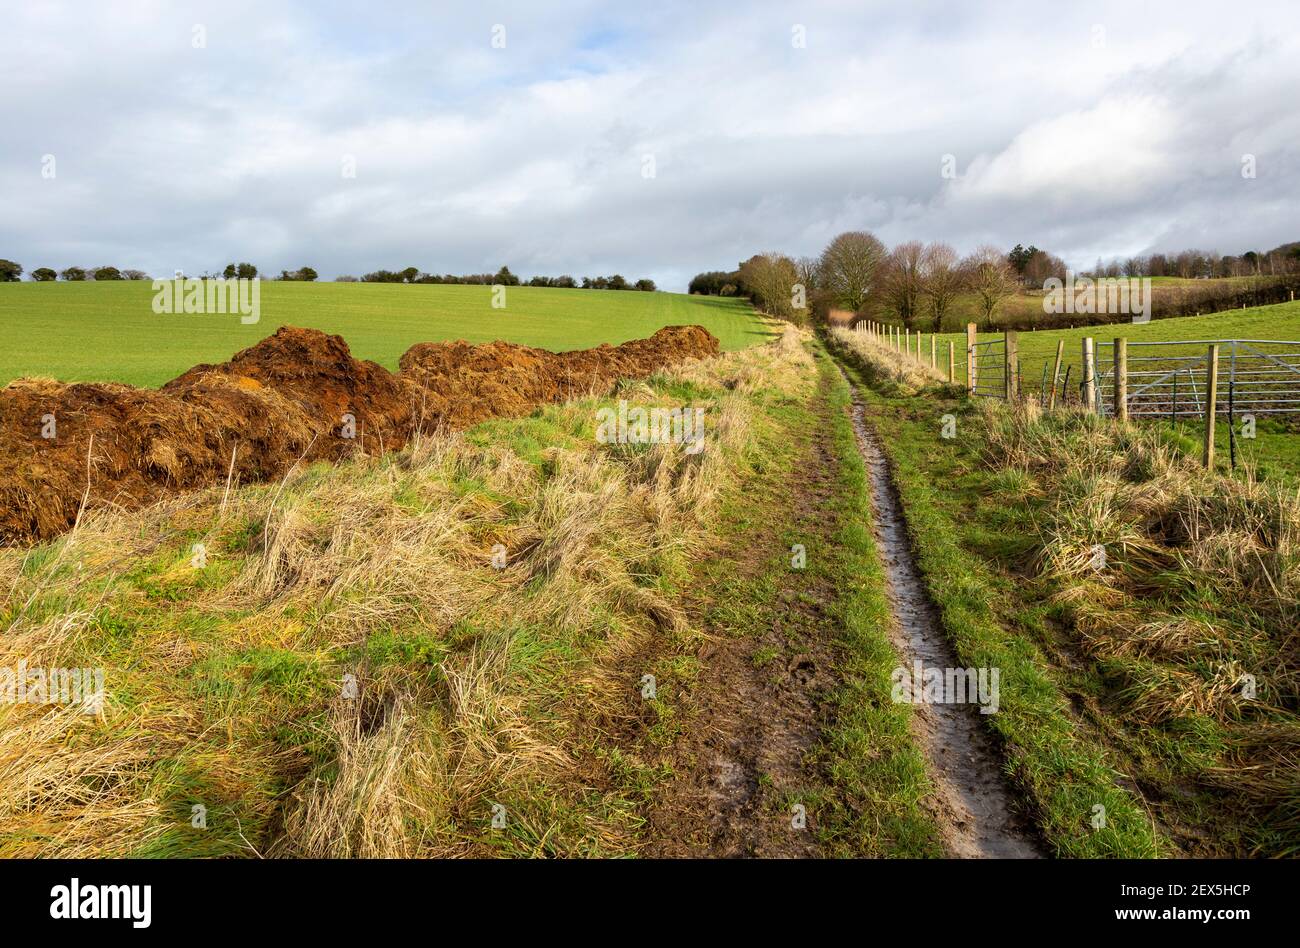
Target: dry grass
(1196,599)
(475,682)
(881,363)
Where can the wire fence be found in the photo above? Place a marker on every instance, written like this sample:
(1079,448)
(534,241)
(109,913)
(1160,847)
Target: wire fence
(1172,380)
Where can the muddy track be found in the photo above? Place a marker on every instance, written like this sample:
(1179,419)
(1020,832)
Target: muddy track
(972,804)
(749,753)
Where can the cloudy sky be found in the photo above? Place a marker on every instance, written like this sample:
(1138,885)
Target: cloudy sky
(650,139)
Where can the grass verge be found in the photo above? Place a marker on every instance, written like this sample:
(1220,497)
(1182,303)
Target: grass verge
(1123,685)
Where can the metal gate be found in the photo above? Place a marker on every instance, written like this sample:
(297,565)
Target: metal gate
(1169,379)
(990,361)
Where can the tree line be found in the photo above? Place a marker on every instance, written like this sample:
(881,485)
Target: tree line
(1283,260)
(502,277)
(916,284)
(11,272)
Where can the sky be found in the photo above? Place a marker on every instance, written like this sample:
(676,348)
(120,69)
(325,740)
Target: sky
(652,140)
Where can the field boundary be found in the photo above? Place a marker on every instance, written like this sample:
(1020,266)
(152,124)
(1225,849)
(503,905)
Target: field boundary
(1164,379)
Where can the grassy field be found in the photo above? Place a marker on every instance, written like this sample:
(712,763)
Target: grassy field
(80,332)
(1280,321)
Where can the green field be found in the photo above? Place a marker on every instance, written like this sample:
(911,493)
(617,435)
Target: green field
(81,332)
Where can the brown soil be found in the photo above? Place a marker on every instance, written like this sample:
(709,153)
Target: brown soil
(278,402)
(749,752)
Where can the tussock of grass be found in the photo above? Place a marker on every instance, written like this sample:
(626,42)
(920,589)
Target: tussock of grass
(1194,602)
(476,685)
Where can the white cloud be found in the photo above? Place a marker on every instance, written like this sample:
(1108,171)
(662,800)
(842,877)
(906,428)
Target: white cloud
(469,157)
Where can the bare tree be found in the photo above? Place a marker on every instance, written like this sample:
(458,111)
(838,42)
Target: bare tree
(770,279)
(849,267)
(806,268)
(1043,265)
(902,280)
(941,280)
(991,277)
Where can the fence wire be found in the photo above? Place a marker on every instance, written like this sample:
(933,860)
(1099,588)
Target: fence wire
(1169,379)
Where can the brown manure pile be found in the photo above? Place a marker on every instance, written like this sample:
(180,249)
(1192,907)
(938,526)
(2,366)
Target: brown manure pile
(296,395)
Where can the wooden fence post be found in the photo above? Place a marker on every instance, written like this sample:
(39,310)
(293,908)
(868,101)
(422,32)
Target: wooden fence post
(1090,376)
(952,363)
(934,358)
(1010,347)
(1056,374)
(972,367)
(1121,378)
(1211,399)
(919,336)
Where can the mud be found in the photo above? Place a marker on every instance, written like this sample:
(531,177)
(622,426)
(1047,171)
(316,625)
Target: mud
(298,395)
(749,751)
(972,805)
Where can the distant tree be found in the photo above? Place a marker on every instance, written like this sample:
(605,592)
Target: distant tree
(991,277)
(941,280)
(230,271)
(902,280)
(410,274)
(1020,256)
(645,285)
(769,278)
(617,282)
(10,272)
(600,283)
(806,273)
(849,266)
(345,278)
(135,275)
(43,275)
(73,274)
(107,273)
(505,278)
(712,282)
(1041,266)
(307,274)
(566,282)
(246,271)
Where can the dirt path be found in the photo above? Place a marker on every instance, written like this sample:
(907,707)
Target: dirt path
(974,809)
(761,704)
